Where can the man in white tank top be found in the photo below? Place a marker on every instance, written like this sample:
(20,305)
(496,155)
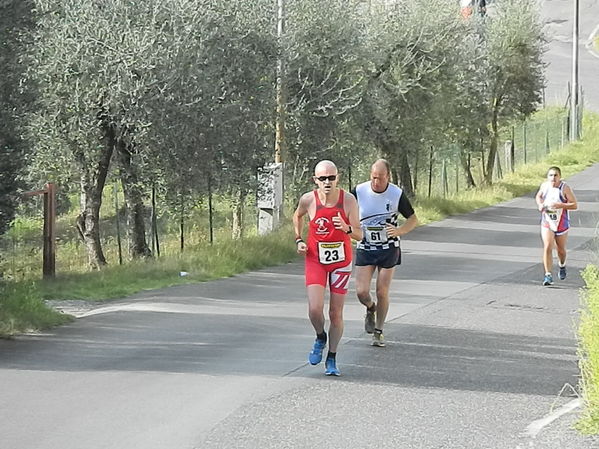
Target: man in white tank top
(379,203)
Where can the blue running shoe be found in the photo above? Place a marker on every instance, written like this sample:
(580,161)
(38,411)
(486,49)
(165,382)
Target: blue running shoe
(548,279)
(315,356)
(331,368)
(562,273)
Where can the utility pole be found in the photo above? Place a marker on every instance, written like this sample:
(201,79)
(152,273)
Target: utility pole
(574,96)
(280,125)
(270,177)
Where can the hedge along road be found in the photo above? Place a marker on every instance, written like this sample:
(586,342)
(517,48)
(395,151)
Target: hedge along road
(478,352)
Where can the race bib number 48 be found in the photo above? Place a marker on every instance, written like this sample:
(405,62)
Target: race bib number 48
(331,252)
(553,218)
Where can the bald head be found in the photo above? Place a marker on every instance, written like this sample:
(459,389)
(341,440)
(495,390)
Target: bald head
(325,166)
(380,174)
(382,165)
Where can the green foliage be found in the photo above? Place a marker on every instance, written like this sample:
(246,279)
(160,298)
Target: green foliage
(203,262)
(15,22)
(588,351)
(21,310)
(323,56)
(516,43)
(412,53)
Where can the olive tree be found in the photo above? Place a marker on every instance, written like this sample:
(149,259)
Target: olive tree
(104,71)
(514,43)
(412,47)
(323,50)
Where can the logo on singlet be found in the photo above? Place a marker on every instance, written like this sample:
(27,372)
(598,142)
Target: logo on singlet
(322,223)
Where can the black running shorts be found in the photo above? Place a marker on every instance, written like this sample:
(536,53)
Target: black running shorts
(382,258)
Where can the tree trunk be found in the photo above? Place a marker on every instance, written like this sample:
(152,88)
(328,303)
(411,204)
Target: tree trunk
(417,160)
(398,160)
(238,214)
(88,222)
(493,146)
(405,175)
(466,166)
(92,185)
(136,228)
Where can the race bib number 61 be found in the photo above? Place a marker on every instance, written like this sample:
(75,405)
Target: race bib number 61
(375,235)
(331,252)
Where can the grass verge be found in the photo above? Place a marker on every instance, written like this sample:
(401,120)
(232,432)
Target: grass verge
(203,263)
(22,306)
(22,309)
(588,351)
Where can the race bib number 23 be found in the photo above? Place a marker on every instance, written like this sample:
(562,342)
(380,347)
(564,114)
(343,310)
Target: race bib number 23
(331,252)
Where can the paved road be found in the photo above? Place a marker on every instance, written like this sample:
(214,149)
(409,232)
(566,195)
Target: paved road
(478,352)
(558,16)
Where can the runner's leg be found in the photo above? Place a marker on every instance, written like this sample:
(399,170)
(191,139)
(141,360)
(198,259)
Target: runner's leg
(560,242)
(316,306)
(548,237)
(383,284)
(363,277)
(336,304)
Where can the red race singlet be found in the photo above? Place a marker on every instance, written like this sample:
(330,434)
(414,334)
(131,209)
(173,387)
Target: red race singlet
(328,246)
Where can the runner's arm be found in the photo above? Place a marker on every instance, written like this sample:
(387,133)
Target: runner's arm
(298,222)
(407,211)
(572,203)
(540,199)
(353,217)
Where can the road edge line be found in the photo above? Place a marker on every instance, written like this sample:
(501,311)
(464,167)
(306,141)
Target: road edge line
(533,429)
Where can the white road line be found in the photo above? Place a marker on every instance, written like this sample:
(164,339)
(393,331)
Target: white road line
(536,426)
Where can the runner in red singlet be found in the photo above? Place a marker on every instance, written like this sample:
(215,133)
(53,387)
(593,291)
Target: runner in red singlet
(334,221)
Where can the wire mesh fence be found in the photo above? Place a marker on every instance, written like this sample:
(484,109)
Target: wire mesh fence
(520,143)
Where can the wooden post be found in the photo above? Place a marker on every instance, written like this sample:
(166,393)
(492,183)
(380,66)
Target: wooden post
(457,175)
(49,251)
(524,144)
(155,241)
(118,223)
(430,171)
(513,150)
(49,233)
(182,225)
(210,218)
(444,180)
(498,166)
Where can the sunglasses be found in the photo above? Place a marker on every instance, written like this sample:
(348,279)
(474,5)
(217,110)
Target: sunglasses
(324,178)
